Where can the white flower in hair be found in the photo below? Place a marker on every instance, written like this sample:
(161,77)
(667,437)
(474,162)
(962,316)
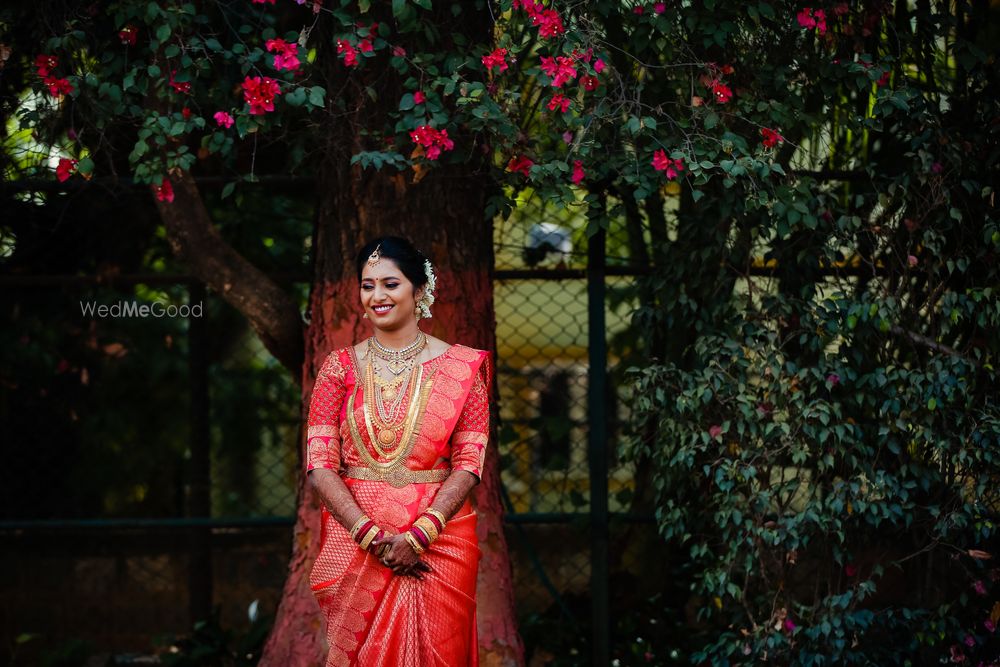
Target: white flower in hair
(427,300)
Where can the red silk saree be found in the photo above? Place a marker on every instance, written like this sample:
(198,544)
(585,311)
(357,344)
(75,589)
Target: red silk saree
(373,617)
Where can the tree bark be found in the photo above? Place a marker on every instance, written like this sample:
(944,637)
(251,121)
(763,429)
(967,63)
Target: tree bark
(271,311)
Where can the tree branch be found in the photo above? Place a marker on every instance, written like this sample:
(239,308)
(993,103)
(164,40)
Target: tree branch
(272,312)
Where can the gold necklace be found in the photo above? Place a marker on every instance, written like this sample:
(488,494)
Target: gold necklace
(383,428)
(397,360)
(414,415)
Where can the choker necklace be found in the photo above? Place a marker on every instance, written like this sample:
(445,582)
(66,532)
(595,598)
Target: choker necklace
(399,360)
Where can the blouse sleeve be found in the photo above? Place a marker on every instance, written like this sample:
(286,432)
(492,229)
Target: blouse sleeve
(323,435)
(468,441)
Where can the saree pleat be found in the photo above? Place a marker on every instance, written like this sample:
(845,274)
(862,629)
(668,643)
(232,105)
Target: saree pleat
(373,617)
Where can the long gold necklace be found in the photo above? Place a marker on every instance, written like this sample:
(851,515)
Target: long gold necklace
(381,434)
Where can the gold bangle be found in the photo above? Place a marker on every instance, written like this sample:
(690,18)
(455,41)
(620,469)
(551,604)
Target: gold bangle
(412,541)
(369,536)
(357,525)
(438,515)
(428,528)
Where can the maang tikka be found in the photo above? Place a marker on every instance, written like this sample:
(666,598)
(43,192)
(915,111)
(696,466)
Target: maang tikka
(375,257)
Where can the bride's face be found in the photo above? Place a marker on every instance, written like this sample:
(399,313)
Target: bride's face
(388,296)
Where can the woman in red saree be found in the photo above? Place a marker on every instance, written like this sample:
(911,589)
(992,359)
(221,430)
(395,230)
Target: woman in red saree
(397,432)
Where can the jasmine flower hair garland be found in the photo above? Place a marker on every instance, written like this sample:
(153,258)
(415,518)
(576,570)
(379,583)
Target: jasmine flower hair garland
(428,297)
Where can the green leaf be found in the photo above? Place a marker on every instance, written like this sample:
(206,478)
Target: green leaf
(317,96)
(407,102)
(228,189)
(697,194)
(297,97)
(398,7)
(163,32)
(85,166)
(711,120)
(423,4)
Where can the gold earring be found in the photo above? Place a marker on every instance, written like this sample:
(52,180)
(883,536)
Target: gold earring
(365,316)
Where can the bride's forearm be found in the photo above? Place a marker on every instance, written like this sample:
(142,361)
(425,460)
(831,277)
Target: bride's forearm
(453,492)
(336,496)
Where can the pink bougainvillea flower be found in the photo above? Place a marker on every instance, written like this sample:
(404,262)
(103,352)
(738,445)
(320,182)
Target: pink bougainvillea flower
(810,19)
(65,169)
(567,137)
(347,50)
(433,141)
(671,168)
(990,625)
(598,65)
(129,35)
(186,112)
(261,2)
(58,86)
(970,641)
(520,164)
(560,69)
(660,7)
(578,173)
(770,138)
(833,379)
(365,45)
(789,625)
(589,82)
(850,570)
(979,587)
(165,191)
(419,97)
(911,260)
(259,93)
(714,431)
(559,101)
(660,160)
(721,93)
(497,59)
(937,168)
(882,80)
(45,64)
(286,55)
(223,119)
(639,10)
(182,87)
(398,52)
(549,23)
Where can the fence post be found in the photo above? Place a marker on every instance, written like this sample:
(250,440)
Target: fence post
(597,443)
(200,498)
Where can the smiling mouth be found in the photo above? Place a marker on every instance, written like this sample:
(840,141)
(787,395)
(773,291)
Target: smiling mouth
(381,310)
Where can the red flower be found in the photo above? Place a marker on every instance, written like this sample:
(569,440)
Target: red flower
(58,86)
(884,79)
(259,92)
(399,51)
(520,164)
(789,625)
(979,587)
(850,570)
(660,160)
(639,10)
(186,113)
(721,93)
(65,169)
(671,168)
(714,431)
(365,45)
(599,66)
(183,87)
(560,70)
(129,35)
(165,191)
(434,141)
(261,2)
(559,101)
(496,59)
(346,49)
(286,55)
(578,173)
(770,138)
(810,19)
(589,82)
(419,97)
(660,7)
(223,119)
(45,65)
(548,22)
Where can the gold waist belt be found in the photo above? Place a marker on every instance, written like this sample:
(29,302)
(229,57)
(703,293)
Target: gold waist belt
(398,477)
